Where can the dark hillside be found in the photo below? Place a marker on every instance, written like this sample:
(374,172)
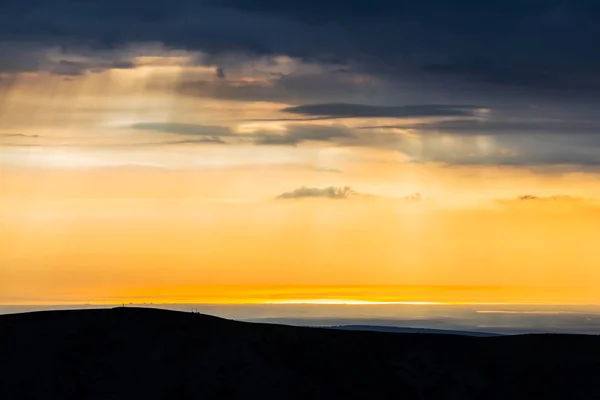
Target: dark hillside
(131,353)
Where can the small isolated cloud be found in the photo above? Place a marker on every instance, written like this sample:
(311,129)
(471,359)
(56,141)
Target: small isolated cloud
(415,197)
(328,170)
(332,192)
(565,198)
(201,140)
(346,110)
(531,202)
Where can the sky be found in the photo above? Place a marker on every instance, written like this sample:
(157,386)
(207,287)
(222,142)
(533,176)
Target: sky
(241,151)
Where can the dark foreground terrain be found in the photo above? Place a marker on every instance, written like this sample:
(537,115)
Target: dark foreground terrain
(131,353)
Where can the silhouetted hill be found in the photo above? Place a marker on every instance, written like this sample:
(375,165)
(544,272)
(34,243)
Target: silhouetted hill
(137,353)
(398,329)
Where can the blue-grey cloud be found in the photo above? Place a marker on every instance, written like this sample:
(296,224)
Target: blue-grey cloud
(502,127)
(293,88)
(509,141)
(514,150)
(297,133)
(183,129)
(294,134)
(344,110)
(201,140)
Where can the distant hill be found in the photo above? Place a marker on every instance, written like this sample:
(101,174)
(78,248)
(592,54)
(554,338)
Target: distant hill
(397,329)
(140,353)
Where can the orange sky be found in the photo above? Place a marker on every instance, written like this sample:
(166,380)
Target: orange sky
(91,213)
(94,249)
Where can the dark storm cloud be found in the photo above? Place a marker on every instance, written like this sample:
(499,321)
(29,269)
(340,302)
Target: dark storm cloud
(511,76)
(74,68)
(527,45)
(31,56)
(17,57)
(342,110)
(290,89)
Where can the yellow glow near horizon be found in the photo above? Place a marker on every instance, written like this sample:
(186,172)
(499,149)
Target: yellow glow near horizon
(351,302)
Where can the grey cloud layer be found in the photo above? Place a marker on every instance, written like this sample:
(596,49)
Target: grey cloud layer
(502,141)
(481,142)
(503,127)
(533,62)
(183,129)
(301,133)
(344,110)
(295,134)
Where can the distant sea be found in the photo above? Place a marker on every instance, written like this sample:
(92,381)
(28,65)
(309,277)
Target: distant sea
(506,319)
